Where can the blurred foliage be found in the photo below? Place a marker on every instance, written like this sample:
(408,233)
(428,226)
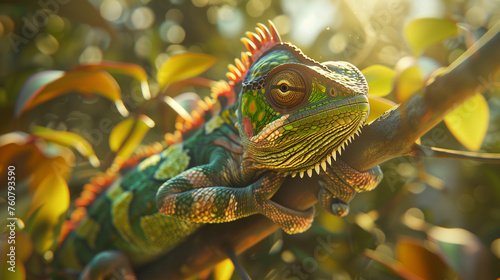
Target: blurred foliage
(429,219)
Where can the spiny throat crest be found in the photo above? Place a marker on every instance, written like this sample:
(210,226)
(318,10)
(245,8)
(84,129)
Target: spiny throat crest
(295,114)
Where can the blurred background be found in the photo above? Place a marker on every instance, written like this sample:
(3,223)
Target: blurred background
(438,217)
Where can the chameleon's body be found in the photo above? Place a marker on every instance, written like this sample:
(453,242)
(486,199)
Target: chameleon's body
(282,114)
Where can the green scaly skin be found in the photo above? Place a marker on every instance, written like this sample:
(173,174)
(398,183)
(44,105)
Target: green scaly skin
(292,116)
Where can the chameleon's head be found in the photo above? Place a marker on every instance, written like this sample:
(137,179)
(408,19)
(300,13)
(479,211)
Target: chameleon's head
(295,114)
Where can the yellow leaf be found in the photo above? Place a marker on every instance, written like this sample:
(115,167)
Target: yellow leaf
(51,199)
(424,32)
(61,164)
(33,160)
(129,69)
(19,272)
(223,270)
(409,82)
(32,87)
(380,79)
(183,66)
(25,246)
(128,134)
(378,106)
(68,139)
(85,81)
(469,122)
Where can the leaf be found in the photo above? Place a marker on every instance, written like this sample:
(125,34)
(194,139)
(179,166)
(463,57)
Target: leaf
(33,160)
(419,260)
(424,32)
(183,66)
(52,200)
(68,139)
(86,82)
(32,86)
(409,82)
(223,270)
(61,164)
(378,106)
(23,250)
(469,122)
(25,246)
(128,69)
(390,263)
(380,79)
(462,250)
(18,274)
(128,134)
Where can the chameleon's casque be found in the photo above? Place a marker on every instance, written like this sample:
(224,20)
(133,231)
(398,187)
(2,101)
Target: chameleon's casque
(281,114)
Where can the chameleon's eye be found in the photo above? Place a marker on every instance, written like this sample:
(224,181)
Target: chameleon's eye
(287,89)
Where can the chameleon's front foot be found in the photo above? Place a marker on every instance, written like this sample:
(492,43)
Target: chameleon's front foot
(196,197)
(340,183)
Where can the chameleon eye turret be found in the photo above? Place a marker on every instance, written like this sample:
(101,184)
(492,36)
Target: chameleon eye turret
(286,89)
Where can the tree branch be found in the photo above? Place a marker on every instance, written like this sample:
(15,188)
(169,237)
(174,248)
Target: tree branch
(389,136)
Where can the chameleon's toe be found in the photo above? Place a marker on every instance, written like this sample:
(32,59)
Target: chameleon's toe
(291,221)
(332,204)
(340,209)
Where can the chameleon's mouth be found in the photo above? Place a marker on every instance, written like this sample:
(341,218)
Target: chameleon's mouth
(307,141)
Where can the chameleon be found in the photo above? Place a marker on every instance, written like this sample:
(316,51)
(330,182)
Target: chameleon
(278,114)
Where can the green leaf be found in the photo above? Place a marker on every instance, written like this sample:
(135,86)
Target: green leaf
(127,135)
(183,66)
(409,82)
(380,79)
(68,139)
(424,32)
(86,82)
(51,199)
(469,122)
(378,106)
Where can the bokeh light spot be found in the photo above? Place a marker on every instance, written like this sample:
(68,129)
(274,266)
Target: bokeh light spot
(199,3)
(337,43)
(175,15)
(229,21)
(46,43)
(282,23)
(142,18)
(111,10)
(55,24)
(176,34)
(476,16)
(495,247)
(91,54)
